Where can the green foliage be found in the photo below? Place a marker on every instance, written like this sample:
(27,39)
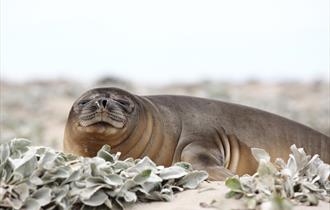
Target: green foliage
(39,177)
(302,180)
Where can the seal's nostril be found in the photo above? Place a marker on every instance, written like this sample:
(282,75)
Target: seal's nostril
(104,102)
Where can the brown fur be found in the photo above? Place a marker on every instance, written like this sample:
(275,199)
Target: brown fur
(212,135)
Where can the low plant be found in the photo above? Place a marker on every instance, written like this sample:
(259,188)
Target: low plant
(303,180)
(41,178)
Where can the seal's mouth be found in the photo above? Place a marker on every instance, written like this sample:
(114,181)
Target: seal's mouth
(103,118)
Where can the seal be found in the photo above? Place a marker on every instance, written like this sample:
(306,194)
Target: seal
(212,135)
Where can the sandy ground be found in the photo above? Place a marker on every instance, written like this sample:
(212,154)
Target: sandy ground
(205,194)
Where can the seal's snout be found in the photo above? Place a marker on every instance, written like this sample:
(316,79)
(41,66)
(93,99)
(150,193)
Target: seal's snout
(102,103)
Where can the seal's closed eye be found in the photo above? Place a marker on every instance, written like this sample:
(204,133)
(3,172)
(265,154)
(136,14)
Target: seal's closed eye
(83,102)
(125,103)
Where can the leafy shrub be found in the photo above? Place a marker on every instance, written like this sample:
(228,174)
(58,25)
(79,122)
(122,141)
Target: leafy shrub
(41,178)
(302,180)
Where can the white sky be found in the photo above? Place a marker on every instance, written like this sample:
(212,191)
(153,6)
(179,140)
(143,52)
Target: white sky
(161,41)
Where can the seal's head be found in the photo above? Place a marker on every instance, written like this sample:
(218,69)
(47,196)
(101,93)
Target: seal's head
(102,112)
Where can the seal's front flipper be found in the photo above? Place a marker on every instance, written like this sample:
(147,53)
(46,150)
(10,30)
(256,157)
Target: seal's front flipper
(218,173)
(206,156)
